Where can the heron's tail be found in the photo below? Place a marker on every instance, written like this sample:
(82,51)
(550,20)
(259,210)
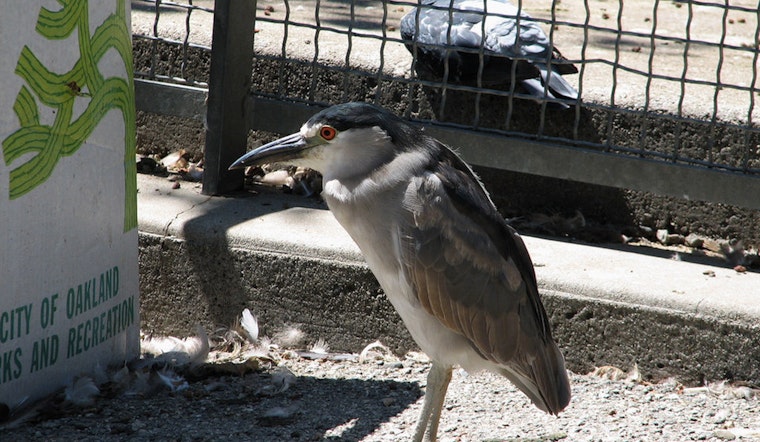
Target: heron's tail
(542,377)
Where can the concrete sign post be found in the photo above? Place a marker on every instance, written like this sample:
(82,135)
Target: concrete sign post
(68,236)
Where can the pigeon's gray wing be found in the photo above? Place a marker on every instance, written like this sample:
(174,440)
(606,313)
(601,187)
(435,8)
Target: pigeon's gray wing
(429,26)
(532,43)
(471,271)
(450,41)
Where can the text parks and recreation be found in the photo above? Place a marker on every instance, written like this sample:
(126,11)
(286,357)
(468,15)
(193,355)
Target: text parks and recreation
(91,315)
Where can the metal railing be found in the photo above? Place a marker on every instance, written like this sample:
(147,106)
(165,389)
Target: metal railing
(667,89)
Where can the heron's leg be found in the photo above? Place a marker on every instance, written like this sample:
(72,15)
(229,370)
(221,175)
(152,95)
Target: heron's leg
(437,382)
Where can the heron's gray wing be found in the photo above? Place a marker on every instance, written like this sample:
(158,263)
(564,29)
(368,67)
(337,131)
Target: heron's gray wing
(472,272)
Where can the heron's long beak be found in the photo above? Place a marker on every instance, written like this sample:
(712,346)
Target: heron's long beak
(286,148)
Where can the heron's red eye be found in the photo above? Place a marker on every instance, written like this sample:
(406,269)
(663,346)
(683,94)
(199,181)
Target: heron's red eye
(328,132)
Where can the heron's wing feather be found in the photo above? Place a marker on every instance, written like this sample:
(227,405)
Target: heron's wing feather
(473,273)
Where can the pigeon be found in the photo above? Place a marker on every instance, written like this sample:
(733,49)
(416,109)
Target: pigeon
(447,36)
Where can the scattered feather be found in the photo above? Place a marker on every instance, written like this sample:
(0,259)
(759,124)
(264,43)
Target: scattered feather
(177,352)
(99,375)
(374,352)
(278,415)
(263,349)
(344,357)
(15,415)
(228,341)
(250,326)
(140,385)
(320,347)
(172,380)
(121,378)
(289,337)
(724,390)
(733,252)
(617,374)
(281,380)
(194,172)
(278,178)
(739,257)
(318,351)
(232,353)
(81,392)
(176,161)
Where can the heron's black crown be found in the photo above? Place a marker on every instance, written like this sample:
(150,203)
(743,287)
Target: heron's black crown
(363,115)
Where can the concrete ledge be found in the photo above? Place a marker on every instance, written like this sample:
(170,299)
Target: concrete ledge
(203,259)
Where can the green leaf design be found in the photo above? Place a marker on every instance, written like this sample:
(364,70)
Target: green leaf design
(26,108)
(60,90)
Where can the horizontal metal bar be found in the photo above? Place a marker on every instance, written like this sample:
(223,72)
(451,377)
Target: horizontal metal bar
(280,117)
(496,151)
(169,4)
(170,99)
(170,41)
(606,169)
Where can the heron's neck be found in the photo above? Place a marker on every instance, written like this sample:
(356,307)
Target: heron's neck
(383,179)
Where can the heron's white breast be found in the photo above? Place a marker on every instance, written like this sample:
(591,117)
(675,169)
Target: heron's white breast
(371,222)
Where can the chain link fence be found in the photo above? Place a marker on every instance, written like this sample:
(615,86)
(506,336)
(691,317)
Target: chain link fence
(166,35)
(667,88)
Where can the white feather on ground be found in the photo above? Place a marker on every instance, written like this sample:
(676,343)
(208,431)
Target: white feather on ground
(250,326)
(281,380)
(81,391)
(289,337)
(320,347)
(178,352)
(173,381)
(375,351)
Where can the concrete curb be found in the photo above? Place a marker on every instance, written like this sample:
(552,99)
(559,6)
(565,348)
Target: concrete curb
(203,259)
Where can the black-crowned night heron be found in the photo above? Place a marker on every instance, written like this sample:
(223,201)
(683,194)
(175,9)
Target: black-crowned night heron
(440,27)
(458,275)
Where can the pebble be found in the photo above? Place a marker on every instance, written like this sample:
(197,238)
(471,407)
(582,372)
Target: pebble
(724,435)
(694,240)
(388,401)
(669,239)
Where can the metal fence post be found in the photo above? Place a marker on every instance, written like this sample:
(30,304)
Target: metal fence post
(229,83)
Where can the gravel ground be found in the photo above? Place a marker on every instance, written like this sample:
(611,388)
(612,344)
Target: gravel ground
(302,396)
